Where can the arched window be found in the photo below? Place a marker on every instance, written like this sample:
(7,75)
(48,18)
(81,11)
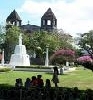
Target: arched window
(48,22)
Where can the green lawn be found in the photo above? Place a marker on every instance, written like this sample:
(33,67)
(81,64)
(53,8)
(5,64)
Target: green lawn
(80,78)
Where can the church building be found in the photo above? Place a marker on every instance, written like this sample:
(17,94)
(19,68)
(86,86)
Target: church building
(48,22)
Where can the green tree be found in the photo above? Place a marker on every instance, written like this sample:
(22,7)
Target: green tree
(2,36)
(39,40)
(86,42)
(11,40)
(35,42)
(65,39)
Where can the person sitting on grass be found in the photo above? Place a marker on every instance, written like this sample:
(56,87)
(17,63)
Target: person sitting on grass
(34,81)
(19,83)
(27,83)
(47,84)
(40,82)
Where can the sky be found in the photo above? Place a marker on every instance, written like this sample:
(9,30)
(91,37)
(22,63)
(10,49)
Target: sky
(73,16)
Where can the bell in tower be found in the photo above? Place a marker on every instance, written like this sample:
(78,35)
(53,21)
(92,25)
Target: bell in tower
(13,19)
(48,21)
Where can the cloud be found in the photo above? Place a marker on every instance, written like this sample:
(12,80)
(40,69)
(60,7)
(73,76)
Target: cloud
(73,17)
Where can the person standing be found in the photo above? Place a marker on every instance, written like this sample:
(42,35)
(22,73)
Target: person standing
(55,76)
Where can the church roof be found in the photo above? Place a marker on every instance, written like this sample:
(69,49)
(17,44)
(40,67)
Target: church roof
(13,16)
(49,13)
(30,28)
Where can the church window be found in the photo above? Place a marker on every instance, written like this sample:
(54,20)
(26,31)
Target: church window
(48,22)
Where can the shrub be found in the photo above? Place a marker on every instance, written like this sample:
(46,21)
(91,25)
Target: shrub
(5,69)
(86,61)
(62,55)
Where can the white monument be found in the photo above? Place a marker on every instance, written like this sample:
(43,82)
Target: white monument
(46,59)
(20,57)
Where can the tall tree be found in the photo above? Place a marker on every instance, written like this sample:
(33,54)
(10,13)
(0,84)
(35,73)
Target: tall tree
(11,40)
(39,41)
(86,42)
(2,36)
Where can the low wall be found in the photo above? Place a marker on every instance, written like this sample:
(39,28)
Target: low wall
(50,70)
(34,69)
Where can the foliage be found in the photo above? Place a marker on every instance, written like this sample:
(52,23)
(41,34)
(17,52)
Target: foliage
(84,59)
(85,42)
(11,39)
(5,69)
(39,40)
(70,93)
(63,55)
(2,36)
(65,39)
(35,42)
(53,40)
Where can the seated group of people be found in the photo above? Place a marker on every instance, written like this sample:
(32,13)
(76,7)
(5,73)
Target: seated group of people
(33,82)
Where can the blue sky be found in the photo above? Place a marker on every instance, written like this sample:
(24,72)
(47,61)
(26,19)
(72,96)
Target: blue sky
(74,16)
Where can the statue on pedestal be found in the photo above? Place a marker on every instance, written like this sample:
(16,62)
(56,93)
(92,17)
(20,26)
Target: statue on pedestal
(20,39)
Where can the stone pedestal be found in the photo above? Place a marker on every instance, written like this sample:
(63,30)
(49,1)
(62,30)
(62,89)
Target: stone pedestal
(20,57)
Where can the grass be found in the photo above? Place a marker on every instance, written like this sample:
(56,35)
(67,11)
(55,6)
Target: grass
(83,79)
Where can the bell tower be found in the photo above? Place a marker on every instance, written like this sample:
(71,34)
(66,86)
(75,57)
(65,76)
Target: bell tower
(49,21)
(13,19)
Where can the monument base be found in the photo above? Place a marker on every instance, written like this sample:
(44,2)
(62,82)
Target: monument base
(20,57)
(19,60)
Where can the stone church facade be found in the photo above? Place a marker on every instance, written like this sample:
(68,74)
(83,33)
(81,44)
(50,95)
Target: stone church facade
(48,22)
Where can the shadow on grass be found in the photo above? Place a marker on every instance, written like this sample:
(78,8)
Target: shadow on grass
(5,86)
(53,93)
(59,74)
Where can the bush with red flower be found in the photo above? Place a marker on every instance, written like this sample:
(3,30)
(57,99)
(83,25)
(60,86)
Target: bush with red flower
(62,55)
(86,61)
